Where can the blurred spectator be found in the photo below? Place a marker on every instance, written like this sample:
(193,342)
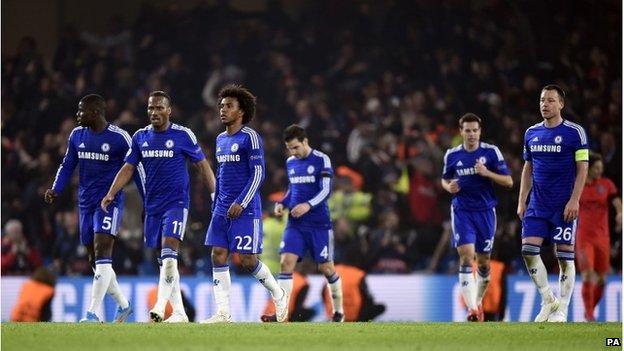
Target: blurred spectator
(18,257)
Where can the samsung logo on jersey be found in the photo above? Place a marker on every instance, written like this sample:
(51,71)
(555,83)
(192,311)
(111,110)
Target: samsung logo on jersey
(302,179)
(228,158)
(545,148)
(92,156)
(157,153)
(466,171)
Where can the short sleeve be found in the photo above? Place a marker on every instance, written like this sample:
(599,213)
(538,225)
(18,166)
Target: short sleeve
(133,156)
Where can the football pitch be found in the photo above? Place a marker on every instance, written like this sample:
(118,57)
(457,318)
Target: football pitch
(309,336)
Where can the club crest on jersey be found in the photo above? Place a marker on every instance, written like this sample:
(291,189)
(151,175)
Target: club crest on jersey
(558,139)
(105,147)
(234,147)
(310,169)
(169,144)
(482,159)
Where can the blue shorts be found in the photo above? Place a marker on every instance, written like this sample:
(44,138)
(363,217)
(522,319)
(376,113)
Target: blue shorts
(474,227)
(549,226)
(99,222)
(242,235)
(171,223)
(300,239)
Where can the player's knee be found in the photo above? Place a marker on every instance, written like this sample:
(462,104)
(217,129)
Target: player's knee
(530,250)
(219,255)
(327,269)
(248,262)
(466,260)
(565,255)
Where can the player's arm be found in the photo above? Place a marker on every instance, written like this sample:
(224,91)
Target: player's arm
(500,179)
(526,183)
(207,175)
(64,172)
(121,179)
(133,159)
(450,185)
(497,171)
(448,172)
(571,210)
(581,157)
(304,207)
(256,170)
(278,210)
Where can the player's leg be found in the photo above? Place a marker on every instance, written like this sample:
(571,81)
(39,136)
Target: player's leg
(288,261)
(534,230)
(601,267)
(322,243)
(217,237)
(173,229)
(485,221)
(563,237)
(263,274)
(463,240)
(246,236)
(567,278)
(291,248)
(106,227)
(483,280)
(86,239)
(585,258)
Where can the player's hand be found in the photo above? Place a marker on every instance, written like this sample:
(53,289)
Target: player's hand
(106,201)
(49,196)
(234,211)
(481,169)
(278,210)
(521,210)
(571,211)
(453,186)
(300,210)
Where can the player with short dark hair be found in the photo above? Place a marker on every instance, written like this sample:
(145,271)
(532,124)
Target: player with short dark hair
(593,247)
(468,174)
(98,149)
(309,227)
(163,148)
(236,224)
(554,172)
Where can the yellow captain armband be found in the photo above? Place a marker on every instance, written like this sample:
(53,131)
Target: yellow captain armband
(581,155)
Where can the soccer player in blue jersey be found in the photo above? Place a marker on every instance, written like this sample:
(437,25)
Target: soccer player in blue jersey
(309,225)
(470,170)
(98,149)
(163,149)
(556,160)
(236,224)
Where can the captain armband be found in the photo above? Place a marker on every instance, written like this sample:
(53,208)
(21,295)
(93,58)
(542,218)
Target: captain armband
(581,155)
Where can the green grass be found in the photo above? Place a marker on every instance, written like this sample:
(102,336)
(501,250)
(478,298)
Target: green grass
(309,336)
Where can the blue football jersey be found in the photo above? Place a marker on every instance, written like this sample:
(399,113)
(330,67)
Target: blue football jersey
(553,153)
(476,192)
(99,156)
(240,172)
(163,155)
(310,181)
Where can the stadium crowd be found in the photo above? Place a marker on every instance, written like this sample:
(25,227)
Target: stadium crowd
(378,85)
